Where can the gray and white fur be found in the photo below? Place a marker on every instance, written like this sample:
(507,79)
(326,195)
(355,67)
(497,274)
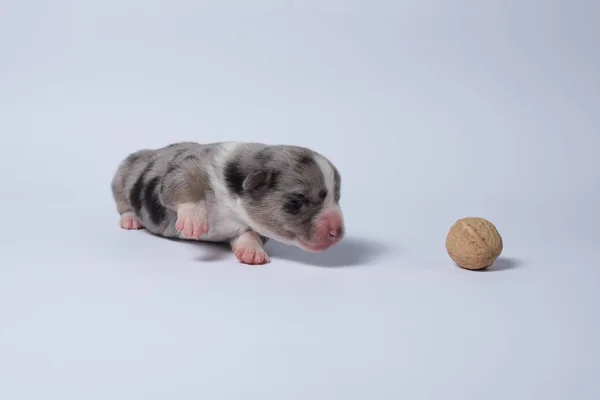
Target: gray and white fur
(235,192)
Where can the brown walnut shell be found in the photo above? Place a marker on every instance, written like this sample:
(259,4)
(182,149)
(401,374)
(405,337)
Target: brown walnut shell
(474,243)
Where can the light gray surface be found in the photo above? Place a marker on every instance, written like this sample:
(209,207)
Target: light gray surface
(433,110)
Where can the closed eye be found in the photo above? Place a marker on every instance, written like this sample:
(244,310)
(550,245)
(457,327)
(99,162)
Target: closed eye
(295,203)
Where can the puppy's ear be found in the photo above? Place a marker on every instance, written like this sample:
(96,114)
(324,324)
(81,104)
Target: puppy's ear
(256,181)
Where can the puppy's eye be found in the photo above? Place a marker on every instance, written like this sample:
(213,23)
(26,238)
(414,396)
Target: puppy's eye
(295,203)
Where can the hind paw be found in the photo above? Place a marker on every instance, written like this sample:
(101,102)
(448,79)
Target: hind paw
(192,220)
(130,222)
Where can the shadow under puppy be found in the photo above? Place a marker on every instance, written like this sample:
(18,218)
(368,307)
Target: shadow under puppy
(235,192)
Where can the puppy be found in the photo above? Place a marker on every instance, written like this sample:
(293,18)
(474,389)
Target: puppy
(240,193)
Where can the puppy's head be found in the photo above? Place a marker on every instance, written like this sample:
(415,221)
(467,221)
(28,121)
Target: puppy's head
(290,194)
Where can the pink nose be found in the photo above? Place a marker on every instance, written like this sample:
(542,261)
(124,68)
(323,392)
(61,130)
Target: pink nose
(329,228)
(335,234)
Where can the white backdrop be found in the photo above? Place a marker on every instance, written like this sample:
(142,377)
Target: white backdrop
(432,110)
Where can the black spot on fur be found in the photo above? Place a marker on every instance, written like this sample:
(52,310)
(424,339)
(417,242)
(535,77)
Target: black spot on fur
(337,184)
(132,158)
(322,194)
(170,169)
(135,195)
(177,155)
(306,160)
(263,157)
(304,163)
(152,203)
(191,157)
(274,179)
(234,177)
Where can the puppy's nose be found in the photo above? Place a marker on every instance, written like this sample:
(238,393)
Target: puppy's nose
(335,233)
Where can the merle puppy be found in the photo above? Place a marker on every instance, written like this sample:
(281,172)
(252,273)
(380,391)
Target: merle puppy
(240,193)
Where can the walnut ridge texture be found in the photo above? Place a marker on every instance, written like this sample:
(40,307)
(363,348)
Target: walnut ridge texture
(474,243)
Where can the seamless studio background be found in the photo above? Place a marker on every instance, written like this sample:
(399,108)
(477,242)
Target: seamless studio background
(432,110)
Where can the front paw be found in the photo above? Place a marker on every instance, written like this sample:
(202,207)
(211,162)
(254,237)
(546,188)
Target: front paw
(192,221)
(252,255)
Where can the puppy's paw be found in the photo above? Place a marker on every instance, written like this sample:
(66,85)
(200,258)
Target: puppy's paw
(192,220)
(130,222)
(248,249)
(251,255)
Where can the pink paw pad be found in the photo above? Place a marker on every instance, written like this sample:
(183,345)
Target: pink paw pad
(192,221)
(252,255)
(129,222)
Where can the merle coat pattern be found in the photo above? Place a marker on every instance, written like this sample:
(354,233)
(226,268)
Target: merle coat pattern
(237,189)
